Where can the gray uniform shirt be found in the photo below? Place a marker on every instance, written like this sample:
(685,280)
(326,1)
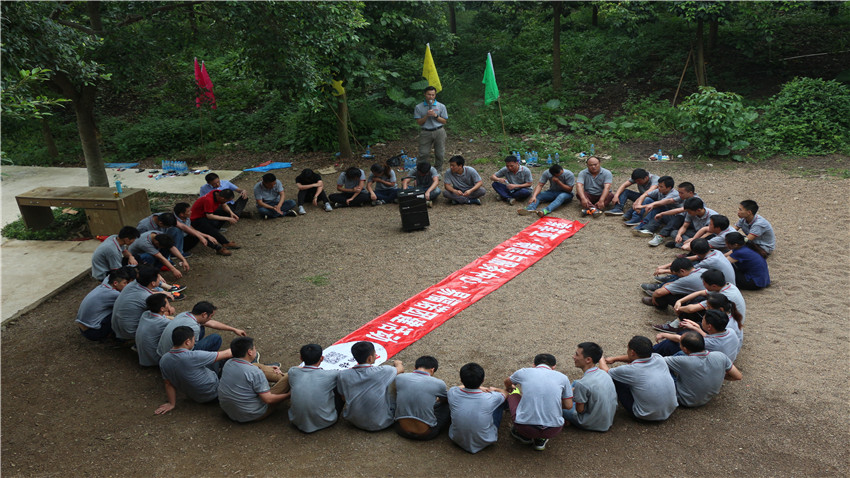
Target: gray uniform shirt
(346,183)
(566,177)
(379,186)
(699,376)
(186,319)
(148,224)
(651,385)
(472,425)
(189,372)
(238,391)
(426,180)
(688,284)
(595,185)
(716,260)
(311,406)
(522,176)
(422,109)
(128,308)
(144,244)
(463,181)
(416,394)
(542,391)
(106,257)
(762,230)
(368,404)
(699,222)
(726,342)
(150,329)
(596,391)
(653,180)
(268,196)
(719,240)
(97,306)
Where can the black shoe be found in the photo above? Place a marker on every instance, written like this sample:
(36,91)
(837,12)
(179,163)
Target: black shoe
(290,213)
(520,438)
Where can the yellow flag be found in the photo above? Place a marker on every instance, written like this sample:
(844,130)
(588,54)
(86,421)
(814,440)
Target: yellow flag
(429,70)
(337,85)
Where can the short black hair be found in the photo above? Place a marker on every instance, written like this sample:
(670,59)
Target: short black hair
(457,160)
(641,346)
(547,359)
(224,193)
(147,274)
(511,159)
(426,361)
(735,239)
(429,88)
(353,173)
(472,375)
(128,232)
(555,169)
(714,277)
(377,168)
(689,187)
(362,350)
(204,307)
(181,207)
(750,205)
(700,246)
(639,173)
(424,167)
(693,342)
(717,319)
(592,350)
(269,178)
(120,274)
(167,219)
(720,221)
(693,204)
(681,264)
(155,302)
(240,346)
(165,241)
(667,181)
(181,334)
(311,354)
(210,177)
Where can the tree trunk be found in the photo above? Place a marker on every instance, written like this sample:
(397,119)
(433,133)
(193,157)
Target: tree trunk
(712,35)
(83,102)
(452,18)
(48,138)
(699,64)
(594,20)
(342,128)
(556,46)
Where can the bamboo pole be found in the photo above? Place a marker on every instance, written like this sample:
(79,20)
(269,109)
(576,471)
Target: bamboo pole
(684,70)
(502,117)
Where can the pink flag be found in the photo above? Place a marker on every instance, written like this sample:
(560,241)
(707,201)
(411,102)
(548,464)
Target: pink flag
(205,86)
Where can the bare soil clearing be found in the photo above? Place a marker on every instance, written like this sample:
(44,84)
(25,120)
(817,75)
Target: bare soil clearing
(75,408)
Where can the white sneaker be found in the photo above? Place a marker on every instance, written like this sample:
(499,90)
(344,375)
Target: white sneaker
(657,240)
(511,201)
(429,203)
(301,210)
(328,207)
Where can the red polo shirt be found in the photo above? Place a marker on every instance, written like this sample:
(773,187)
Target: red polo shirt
(205,204)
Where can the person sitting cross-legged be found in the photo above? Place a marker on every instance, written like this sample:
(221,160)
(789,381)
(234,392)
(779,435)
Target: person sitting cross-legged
(463,183)
(594,395)
(561,182)
(94,317)
(424,177)
(512,182)
(271,198)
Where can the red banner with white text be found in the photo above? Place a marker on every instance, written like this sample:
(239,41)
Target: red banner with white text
(414,318)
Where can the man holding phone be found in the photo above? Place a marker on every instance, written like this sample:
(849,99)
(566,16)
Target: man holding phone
(431,116)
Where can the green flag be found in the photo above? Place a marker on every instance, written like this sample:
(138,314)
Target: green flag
(491,91)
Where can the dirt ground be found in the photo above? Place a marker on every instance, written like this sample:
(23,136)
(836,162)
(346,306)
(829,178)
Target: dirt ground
(73,408)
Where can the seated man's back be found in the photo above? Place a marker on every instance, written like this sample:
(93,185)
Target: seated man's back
(189,372)
(239,389)
(151,326)
(311,405)
(651,385)
(699,376)
(368,404)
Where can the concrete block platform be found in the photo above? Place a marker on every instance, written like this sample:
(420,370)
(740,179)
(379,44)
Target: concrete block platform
(33,271)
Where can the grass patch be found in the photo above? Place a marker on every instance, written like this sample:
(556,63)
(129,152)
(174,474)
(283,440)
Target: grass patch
(318,280)
(65,227)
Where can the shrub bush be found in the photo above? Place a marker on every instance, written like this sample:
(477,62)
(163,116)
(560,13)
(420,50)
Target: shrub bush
(715,122)
(808,116)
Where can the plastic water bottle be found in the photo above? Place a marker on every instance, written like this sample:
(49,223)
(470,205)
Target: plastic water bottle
(659,158)
(557,158)
(118,187)
(592,149)
(549,160)
(536,158)
(518,158)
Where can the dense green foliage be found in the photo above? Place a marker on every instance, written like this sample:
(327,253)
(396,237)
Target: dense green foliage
(272,62)
(809,116)
(64,227)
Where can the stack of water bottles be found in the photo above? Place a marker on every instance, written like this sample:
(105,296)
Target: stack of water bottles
(408,162)
(178,167)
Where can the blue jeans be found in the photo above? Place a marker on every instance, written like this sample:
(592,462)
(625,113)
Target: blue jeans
(571,415)
(507,194)
(178,236)
(209,343)
(627,195)
(554,198)
(666,348)
(625,397)
(648,218)
(271,213)
(386,195)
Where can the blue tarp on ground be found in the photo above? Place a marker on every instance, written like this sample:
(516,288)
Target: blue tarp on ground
(121,165)
(269,167)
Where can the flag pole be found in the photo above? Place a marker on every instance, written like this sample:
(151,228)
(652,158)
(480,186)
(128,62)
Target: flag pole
(502,117)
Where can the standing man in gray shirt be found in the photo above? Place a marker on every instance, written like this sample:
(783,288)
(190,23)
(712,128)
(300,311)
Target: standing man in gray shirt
(421,406)
(513,181)
(315,403)
(365,389)
(594,395)
(431,116)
